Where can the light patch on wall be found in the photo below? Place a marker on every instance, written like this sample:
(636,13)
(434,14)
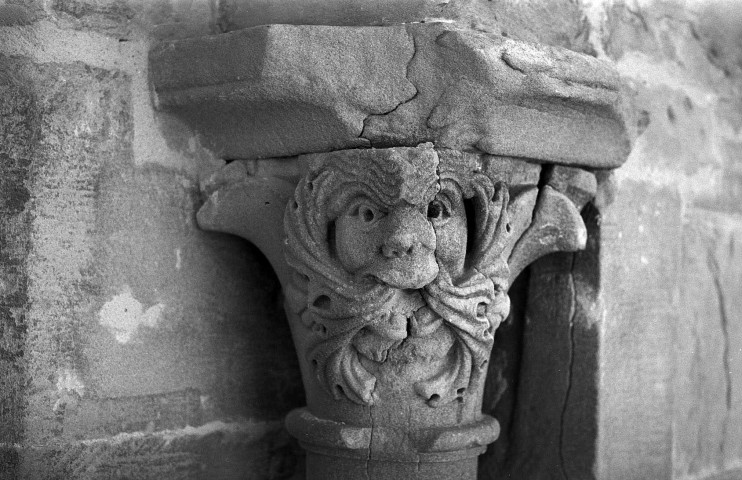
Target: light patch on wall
(243,430)
(124,314)
(653,73)
(82,129)
(49,42)
(595,12)
(70,390)
(68,381)
(178,262)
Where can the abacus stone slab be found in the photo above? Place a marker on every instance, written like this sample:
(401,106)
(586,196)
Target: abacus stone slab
(282,90)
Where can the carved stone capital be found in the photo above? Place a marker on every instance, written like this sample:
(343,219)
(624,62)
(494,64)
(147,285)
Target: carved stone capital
(395,265)
(395,261)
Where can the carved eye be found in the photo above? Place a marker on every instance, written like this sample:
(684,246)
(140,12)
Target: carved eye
(434,209)
(366,212)
(438,209)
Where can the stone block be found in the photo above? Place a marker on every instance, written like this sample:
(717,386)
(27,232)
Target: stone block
(681,62)
(18,108)
(204,320)
(640,306)
(237,14)
(217,451)
(690,142)
(671,30)
(282,90)
(12,15)
(566,27)
(117,313)
(707,411)
(82,124)
(269,89)
(478,91)
(71,118)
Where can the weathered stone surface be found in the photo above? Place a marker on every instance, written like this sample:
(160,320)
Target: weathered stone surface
(18,109)
(683,62)
(523,21)
(673,31)
(237,14)
(269,89)
(681,56)
(283,90)
(397,272)
(235,194)
(74,118)
(691,107)
(215,451)
(178,19)
(110,16)
(156,258)
(118,315)
(636,342)
(11,15)
(707,411)
(499,96)
(551,428)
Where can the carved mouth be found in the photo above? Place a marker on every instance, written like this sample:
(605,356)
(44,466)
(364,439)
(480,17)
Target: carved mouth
(404,274)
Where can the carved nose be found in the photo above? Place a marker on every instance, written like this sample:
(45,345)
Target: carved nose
(398,245)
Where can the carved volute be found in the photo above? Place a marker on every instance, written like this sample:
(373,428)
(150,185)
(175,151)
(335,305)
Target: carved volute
(396,260)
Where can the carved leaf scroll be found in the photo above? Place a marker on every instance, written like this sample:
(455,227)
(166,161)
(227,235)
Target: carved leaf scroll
(337,305)
(353,319)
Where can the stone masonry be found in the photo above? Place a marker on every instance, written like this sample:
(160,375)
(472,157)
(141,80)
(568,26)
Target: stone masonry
(134,345)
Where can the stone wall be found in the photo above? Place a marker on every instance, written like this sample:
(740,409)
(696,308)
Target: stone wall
(134,345)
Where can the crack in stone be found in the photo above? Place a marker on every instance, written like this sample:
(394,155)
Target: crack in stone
(724,320)
(404,102)
(371,436)
(698,362)
(369,457)
(562,417)
(507,61)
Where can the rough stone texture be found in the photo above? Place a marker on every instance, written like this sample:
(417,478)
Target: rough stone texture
(669,382)
(707,412)
(392,368)
(487,93)
(173,19)
(685,64)
(636,360)
(316,88)
(683,59)
(118,314)
(213,450)
(554,439)
(280,90)
(19,110)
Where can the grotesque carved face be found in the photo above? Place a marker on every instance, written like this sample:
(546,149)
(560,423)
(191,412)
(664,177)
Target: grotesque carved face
(379,240)
(393,244)
(403,245)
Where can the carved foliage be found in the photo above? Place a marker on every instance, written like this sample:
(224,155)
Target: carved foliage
(391,244)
